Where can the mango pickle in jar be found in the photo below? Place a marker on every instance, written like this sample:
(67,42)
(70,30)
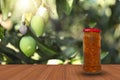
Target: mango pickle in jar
(91,50)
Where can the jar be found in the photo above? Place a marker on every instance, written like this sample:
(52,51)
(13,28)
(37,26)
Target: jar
(91,50)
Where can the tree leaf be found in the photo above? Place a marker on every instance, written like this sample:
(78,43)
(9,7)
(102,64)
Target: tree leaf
(70,52)
(16,57)
(69,4)
(117,31)
(64,7)
(1,32)
(103,55)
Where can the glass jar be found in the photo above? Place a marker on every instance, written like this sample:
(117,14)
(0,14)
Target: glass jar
(91,50)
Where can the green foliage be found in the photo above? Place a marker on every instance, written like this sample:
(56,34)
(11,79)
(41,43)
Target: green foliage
(56,28)
(64,6)
(1,32)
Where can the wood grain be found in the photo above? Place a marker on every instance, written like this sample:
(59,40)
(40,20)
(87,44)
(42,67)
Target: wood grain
(56,72)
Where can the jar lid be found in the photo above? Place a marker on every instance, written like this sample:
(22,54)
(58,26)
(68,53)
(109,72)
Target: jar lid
(91,30)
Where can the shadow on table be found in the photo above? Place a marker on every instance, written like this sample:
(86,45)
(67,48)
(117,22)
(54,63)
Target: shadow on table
(97,74)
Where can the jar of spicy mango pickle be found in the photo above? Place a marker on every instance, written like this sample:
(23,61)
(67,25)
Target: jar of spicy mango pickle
(91,50)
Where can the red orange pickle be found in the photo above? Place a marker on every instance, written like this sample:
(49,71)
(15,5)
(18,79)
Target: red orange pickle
(91,50)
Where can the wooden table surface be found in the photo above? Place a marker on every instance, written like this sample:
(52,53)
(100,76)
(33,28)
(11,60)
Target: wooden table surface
(56,72)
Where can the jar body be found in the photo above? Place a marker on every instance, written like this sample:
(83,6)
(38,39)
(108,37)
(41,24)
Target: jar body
(91,50)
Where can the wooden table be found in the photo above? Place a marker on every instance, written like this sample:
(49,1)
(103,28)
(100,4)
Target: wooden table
(56,72)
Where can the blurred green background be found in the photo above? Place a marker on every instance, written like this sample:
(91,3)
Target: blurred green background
(50,31)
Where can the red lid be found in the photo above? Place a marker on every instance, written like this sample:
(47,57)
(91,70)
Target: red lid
(91,30)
